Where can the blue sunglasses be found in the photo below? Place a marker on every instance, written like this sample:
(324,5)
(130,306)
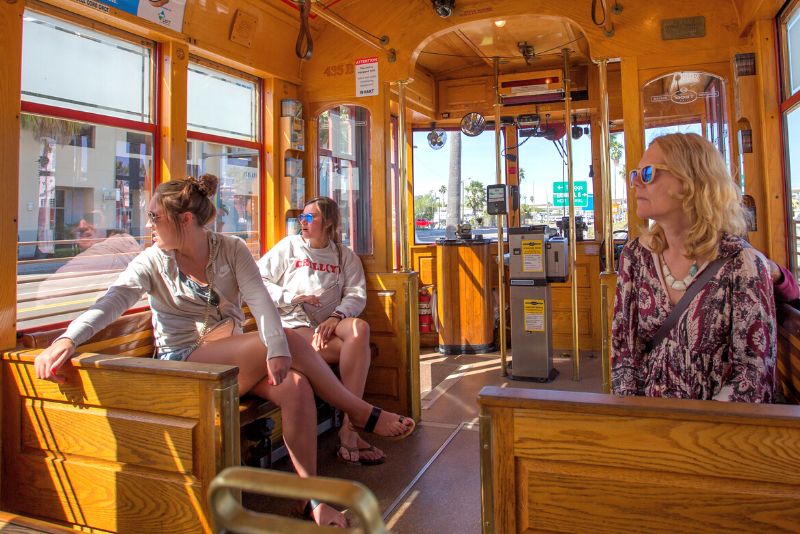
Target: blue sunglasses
(646,173)
(305,218)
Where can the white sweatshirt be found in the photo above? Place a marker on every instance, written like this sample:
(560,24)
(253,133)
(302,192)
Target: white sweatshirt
(293,268)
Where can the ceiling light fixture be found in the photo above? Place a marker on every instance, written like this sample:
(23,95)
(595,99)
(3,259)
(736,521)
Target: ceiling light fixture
(499,23)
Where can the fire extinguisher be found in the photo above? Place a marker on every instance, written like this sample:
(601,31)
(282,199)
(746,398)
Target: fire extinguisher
(425,312)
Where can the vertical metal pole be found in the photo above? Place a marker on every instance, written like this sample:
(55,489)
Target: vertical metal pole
(573,242)
(501,270)
(402,188)
(608,230)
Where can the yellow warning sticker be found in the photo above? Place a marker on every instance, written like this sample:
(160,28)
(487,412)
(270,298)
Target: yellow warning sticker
(534,315)
(532,256)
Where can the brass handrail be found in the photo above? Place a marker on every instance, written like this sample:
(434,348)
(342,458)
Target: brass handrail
(230,516)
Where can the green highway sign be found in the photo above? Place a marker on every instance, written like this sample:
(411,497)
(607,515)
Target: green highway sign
(561,194)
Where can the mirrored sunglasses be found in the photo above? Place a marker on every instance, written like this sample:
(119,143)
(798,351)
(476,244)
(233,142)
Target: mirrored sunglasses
(305,218)
(646,173)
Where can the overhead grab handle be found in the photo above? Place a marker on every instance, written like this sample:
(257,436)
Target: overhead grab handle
(304,35)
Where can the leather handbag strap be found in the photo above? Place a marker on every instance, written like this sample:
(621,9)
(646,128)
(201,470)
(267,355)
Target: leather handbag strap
(698,284)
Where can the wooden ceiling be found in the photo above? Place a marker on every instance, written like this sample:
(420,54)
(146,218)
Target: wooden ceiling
(467,50)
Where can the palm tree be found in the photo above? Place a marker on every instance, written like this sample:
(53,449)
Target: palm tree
(454,183)
(442,192)
(50,132)
(616,151)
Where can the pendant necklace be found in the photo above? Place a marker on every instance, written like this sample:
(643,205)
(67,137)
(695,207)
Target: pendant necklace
(678,285)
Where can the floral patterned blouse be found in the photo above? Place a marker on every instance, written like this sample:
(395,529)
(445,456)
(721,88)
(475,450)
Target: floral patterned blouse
(723,346)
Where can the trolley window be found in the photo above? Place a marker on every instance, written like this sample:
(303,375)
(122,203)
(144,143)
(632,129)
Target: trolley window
(224,139)
(344,171)
(86,165)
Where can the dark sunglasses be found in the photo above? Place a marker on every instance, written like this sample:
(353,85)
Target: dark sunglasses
(305,218)
(646,173)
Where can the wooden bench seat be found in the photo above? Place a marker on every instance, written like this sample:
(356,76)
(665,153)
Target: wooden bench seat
(579,462)
(132,335)
(128,443)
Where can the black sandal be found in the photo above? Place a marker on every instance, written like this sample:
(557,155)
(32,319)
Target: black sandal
(372,422)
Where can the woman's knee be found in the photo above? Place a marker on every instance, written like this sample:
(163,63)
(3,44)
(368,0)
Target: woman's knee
(298,393)
(361,330)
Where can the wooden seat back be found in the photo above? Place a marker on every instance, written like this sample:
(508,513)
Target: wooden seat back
(788,367)
(579,462)
(128,443)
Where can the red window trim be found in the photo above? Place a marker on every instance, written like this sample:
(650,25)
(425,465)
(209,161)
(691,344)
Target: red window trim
(64,324)
(262,170)
(84,116)
(790,102)
(222,140)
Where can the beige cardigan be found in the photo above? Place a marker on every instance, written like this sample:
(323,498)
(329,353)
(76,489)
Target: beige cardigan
(177,311)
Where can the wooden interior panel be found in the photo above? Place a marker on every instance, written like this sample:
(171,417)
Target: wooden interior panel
(562,298)
(465,94)
(464,302)
(136,458)
(613,500)
(101,387)
(562,323)
(393,381)
(383,382)
(106,497)
(427,271)
(588,462)
(788,365)
(381,311)
(156,442)
(683,447)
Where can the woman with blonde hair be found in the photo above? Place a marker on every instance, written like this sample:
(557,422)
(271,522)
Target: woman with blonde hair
(195,279)
(719,342)
(319,288)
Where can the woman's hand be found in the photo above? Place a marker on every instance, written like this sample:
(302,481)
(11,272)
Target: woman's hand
(306,299)
(52,358)
(324,332)
(277,369)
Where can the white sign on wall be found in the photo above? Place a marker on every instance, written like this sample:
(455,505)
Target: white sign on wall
(367,76)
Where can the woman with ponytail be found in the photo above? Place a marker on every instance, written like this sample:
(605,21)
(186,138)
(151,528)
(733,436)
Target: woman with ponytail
(194,279)
(319,288)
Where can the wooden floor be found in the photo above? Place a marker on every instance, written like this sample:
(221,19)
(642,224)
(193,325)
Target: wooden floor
(431,481)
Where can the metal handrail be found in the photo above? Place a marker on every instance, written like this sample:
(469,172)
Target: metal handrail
(230,516)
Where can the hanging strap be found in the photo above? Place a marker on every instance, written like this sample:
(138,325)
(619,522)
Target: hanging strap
(698,284)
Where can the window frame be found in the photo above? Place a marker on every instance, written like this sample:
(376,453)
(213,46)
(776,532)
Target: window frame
(259,144)
(59,112)
(366,152)
(789,102)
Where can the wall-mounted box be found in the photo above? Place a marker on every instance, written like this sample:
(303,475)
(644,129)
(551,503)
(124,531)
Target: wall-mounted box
(293,132)
(291,108)
(293,166)
(297,192)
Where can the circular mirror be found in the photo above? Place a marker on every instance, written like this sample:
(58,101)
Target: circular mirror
(472,124)
(437,138)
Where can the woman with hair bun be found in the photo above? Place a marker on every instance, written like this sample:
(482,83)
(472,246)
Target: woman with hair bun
(194,279)
(722,344)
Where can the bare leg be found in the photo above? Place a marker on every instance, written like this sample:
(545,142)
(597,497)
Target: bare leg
(306,360)
(350,349)
(247,352)
(295,397)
